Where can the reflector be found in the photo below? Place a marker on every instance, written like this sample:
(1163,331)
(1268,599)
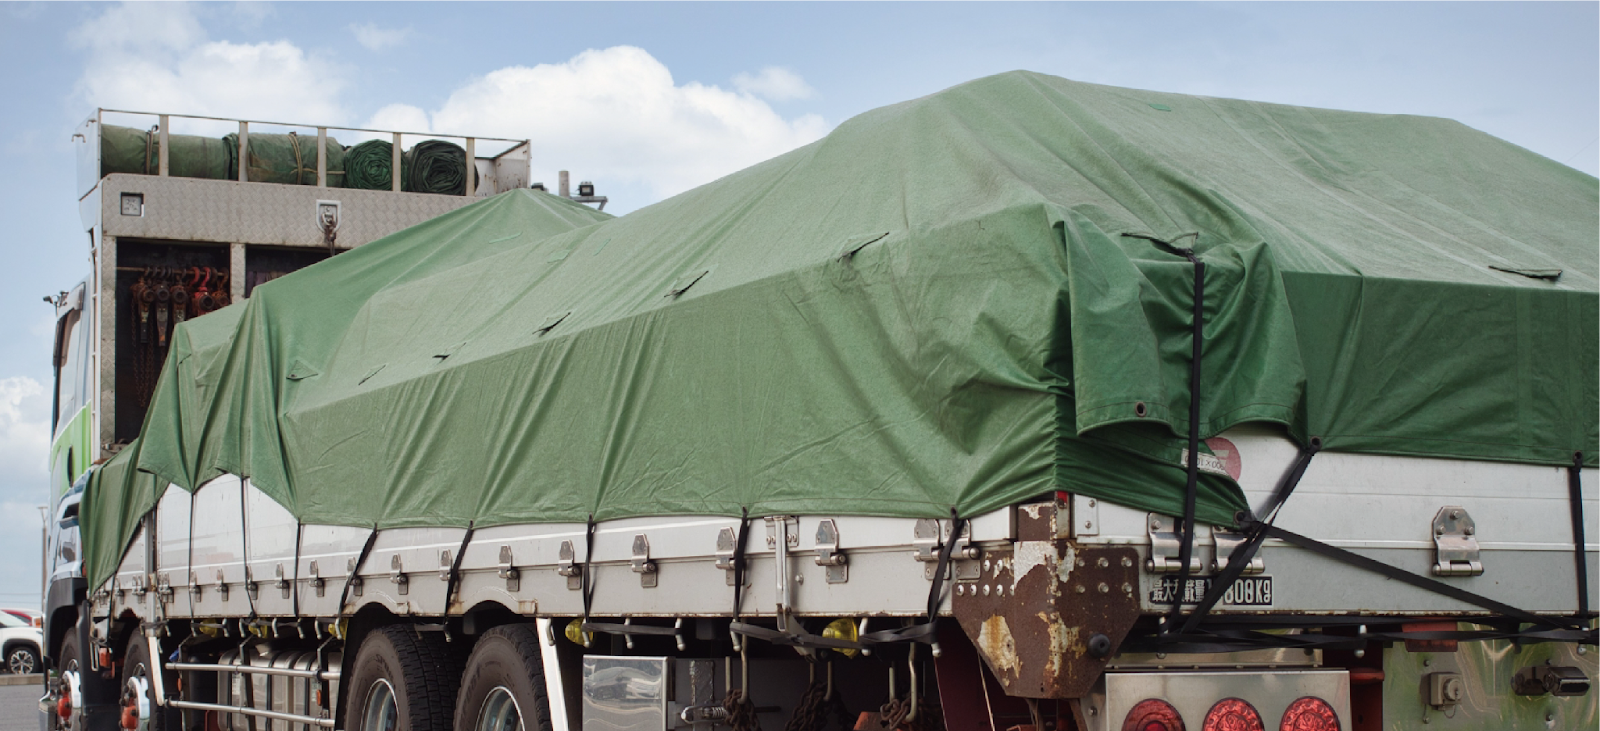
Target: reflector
(1309,714)
(1152,714)
(1232,714)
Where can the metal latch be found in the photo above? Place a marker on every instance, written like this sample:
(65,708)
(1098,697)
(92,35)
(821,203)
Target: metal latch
(642,565)
(355,583)
(1455,548)
(1227,541)
(727,543)
(567,565)
(508,571)
(282,582)
(194,587)
(791,531)
(222,585)
(397,574)
(316,578)
(1165,545)
(829,556)
(164,588)
(926,541)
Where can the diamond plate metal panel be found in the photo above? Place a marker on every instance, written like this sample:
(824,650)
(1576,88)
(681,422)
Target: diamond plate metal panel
(189,209)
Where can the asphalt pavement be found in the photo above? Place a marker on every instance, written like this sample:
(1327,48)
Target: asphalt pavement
(19,707)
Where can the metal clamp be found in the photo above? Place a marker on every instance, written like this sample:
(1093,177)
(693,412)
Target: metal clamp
(1165,545)
(727,544)
(509,572)
(222,585)
(1455,548)
(791,529)
(567,565)
(195,590)
(164,588)
(829,554)
(397,575)
(1227,541)
(444,565)
(354,581)
(316,579)
(282,582)
(642,565)
(927,540)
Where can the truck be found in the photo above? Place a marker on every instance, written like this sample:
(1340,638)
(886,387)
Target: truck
(1031,404)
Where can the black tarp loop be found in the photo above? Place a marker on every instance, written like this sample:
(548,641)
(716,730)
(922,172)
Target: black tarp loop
(738,561)
(936,591)
(586,578)
(355,571)
(454,580)
(294,588)
(1239,560)
(1579,555)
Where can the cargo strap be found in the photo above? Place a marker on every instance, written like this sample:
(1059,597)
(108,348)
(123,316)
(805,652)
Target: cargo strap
(454,580)
(738,562)
(1196,340)
(1239,560)
(355,571)
(1579,554)
(586,577)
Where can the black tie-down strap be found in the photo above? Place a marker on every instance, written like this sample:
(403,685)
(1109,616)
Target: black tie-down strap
(1580,554)
(355,571)
(923,632)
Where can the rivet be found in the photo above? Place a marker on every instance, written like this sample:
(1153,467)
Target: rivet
(1104,589)
(960,590)
(1102,563)
(986,564)
(1127,588)
(986,590)
(1080,563)
(1079,588)
(1126,562)
(1087,524)
(1091,502)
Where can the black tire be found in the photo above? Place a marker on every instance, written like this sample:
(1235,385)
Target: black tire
(135,663)
(67,659)
(505,658)
(22,660)
(416,670)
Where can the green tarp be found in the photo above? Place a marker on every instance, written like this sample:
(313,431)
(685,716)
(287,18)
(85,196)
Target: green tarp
(128,150)
(935,307)
(288,159)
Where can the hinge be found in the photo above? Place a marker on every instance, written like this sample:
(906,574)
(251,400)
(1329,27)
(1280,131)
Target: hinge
(194,587)
(567,565)
(1227,541)
(282,581)
(397,574)
(793,534)
(316,579)
(829,555)
(164,588)
(642,565)
(138,585)
(354,581)
(1455,548)
(508,571)
(927,541)
(1165,545)
(444,565)
(222,585)
(250,585)
(727,543)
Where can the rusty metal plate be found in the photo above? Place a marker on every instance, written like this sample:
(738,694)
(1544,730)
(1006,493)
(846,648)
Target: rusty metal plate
(1046,615)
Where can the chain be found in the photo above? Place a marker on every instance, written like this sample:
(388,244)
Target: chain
(741,712)
(892,715)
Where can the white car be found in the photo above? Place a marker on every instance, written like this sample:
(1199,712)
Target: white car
(19,645)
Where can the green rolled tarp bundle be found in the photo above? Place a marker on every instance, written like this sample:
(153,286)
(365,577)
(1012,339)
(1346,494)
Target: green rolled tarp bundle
(290,159)
(369,166)
(129,150)
(435,166)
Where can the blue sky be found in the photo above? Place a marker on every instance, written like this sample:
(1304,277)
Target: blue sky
(650,99)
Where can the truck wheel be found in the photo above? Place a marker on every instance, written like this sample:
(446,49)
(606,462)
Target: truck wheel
(401,681)
(22,660)
(503,689)
(136,665)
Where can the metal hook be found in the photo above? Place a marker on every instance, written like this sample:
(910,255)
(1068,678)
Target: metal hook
(911,664)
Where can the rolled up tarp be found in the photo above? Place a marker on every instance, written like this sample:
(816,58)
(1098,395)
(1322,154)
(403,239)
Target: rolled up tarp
(290,159)
(435,166)
(369,166)
(136,151)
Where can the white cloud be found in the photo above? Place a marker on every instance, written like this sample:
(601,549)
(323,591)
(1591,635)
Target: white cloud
(24,429)
(377,39)
(157,57)
(617,115)
(775,83)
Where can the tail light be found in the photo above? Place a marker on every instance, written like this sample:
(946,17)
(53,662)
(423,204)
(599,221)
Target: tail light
(1153,715)
(1309,714)
(1232,714)
(38,622)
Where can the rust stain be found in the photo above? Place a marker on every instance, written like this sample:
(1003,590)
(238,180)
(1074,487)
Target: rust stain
(996,643)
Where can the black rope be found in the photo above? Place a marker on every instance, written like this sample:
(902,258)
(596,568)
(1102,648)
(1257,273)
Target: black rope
(936,591)
(294,588)
(1579,552)
(1239,560)
(355,571)
(244,552)
(586,582)
(455,570)
(738,562)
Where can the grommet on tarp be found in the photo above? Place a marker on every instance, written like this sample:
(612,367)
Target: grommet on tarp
(1140,410)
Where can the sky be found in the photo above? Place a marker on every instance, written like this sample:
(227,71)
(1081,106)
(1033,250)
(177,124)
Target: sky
(648,100)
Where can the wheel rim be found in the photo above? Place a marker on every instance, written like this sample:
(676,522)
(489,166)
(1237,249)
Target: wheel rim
(500,712)
(381,713)
(21,663)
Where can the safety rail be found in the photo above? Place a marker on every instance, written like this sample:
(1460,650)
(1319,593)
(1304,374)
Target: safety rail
(256,670)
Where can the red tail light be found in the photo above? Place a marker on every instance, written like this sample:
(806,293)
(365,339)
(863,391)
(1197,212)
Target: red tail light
(38,621)
(1232,714)
(1309,714)
(1151,714)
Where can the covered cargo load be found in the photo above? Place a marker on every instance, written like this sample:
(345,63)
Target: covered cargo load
(947,305)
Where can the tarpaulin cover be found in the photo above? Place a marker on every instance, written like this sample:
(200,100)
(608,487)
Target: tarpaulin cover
(369,166)
(436,166)
(289,159)
(934,307)
(128,150)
